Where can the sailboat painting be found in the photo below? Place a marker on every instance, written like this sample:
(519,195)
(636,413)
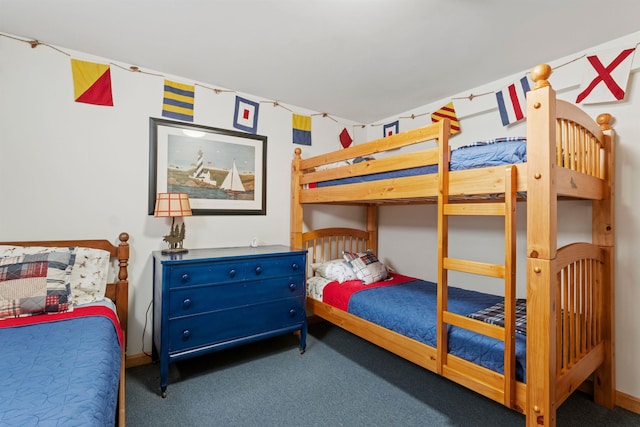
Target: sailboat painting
(223,172)
(232,184)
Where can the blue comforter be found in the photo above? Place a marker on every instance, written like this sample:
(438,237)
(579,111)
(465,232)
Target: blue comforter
(62,373)
(497,152)
(410,309)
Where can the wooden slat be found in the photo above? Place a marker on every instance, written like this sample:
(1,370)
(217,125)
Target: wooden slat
(474,267)
(478,209)
(402,139)
(368,167)
(474,325)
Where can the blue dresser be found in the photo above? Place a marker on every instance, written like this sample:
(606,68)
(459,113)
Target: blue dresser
(210,299)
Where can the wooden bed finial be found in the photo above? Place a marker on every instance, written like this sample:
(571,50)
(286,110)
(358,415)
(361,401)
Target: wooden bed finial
(540,75)
(297,152)
(604,120)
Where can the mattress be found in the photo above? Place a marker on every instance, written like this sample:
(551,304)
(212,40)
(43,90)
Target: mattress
(495,152)
(60,370)
(408,307)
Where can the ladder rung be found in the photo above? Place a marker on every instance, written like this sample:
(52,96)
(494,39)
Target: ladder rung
(474,267)
(498,209)
(474,325)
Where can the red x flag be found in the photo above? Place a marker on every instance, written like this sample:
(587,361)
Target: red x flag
(602,83)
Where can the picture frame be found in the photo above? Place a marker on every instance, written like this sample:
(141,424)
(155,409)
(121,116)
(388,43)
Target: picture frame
(224,172)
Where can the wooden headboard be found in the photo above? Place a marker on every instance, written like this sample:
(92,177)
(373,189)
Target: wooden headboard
(118,291)
(328,243)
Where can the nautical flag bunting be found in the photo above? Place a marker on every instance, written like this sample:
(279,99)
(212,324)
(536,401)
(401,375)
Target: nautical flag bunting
(178,101)
(390,129)
(447,112)
(301,129)
(345,138)
(246,115)
(91,82)
(605,83)
(512,101)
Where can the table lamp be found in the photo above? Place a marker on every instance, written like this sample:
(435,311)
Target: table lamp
(173,205)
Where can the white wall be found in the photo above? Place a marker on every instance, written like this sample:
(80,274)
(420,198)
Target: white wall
(73,170)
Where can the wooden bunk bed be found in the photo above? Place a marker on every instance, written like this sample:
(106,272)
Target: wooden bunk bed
(569,290)
(118,292)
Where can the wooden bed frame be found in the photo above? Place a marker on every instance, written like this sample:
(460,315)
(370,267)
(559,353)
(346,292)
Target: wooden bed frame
(118,292)
(570,325)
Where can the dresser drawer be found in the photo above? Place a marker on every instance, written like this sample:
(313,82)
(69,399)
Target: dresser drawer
(228,271)
(241,322)
(200,299)
(210,272)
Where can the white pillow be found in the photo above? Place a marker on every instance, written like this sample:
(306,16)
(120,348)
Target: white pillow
(89,275)
(336,269)
(315,286)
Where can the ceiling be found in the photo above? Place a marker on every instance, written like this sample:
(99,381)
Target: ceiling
(362,60)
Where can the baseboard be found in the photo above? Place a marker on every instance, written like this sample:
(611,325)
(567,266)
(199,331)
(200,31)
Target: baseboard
(628,402)
(137,360)
(623,400)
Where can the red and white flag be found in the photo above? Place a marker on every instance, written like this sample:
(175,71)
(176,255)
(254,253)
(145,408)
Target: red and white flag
(605,76)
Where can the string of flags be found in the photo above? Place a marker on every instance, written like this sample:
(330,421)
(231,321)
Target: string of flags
(605,78)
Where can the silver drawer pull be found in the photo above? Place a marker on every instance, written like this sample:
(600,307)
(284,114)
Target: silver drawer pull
(186,303)
(184,278)
(186,334)
(258,270)
(294,266)
(292,286)
(292,312)
(232,273)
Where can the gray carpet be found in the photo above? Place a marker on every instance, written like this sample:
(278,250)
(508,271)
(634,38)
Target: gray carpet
(341,380)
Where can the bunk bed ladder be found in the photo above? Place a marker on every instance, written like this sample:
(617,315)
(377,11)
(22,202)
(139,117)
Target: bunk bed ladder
(506,209)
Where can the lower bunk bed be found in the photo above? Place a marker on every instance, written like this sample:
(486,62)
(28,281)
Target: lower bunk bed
(401,314)
(62,329)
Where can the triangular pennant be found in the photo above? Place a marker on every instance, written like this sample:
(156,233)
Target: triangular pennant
(447,112)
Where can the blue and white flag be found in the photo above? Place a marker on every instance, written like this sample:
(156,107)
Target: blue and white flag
(246,115)
(390,129)
(512,102)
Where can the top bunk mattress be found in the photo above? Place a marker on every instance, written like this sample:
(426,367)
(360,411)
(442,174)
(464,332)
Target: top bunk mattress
(62,372)
(496,152)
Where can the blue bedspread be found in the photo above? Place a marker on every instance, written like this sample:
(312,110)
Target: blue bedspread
(62,373)
(498,152)
(410,309)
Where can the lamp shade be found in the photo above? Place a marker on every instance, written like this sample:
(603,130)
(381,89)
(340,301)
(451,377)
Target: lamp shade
(172,205)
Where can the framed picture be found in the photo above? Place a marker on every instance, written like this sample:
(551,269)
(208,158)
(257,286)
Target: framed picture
(222,171)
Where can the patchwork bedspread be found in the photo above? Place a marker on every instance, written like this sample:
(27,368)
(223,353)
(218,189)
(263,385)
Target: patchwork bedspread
(409,308)
(60,373)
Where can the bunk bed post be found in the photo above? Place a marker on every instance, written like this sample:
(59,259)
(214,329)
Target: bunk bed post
(372,227)
(603,235)
(122,290)
(541,251)
(296,207)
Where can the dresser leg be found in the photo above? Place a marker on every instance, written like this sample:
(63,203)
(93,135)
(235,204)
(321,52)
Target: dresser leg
(303,337)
